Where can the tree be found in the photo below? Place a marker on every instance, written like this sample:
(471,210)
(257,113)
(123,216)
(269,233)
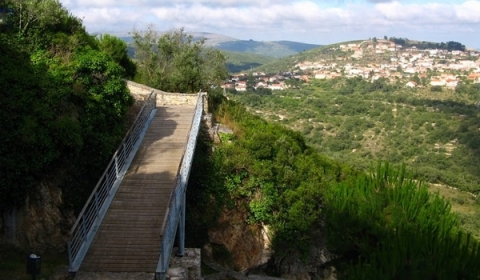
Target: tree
(175,62)
(47,24)
(452,45)
(251,83)
(36,14)
(117,50)
(416,79)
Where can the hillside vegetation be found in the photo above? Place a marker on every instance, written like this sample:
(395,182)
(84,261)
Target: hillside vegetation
(382,219)
(275,49)
(435,133)
(239,61)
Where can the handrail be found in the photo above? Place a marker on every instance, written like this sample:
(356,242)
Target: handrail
(177,198)
(93,209)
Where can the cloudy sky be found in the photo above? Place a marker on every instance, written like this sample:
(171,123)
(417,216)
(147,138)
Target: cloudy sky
(314,21)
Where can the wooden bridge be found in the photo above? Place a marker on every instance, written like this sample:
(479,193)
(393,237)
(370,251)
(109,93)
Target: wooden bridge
(130,224)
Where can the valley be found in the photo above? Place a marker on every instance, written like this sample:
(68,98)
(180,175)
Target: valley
(435,134)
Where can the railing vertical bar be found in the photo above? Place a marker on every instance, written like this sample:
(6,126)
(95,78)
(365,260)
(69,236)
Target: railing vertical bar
(95,201)
(84,234)
(116,166)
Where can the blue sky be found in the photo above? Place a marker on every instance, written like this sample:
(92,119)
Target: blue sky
(317,22)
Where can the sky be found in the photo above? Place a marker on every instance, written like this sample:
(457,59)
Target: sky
(317,22)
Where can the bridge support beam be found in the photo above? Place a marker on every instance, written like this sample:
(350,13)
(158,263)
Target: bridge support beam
(181,229)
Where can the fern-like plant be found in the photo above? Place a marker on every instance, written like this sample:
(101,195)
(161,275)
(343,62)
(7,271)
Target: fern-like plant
(385,225)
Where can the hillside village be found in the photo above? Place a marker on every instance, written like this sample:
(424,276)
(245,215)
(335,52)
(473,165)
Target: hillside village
(372,60)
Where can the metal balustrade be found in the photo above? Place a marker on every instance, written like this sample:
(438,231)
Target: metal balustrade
(175,217)
(89,219)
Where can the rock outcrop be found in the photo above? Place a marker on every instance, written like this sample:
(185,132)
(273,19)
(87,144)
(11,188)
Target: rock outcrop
(248,251)
(40,225)
(247,243)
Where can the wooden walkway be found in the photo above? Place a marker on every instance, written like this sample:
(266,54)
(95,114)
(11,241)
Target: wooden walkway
(128,239)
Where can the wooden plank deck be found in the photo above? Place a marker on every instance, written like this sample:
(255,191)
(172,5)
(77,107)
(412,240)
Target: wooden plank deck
(128,239)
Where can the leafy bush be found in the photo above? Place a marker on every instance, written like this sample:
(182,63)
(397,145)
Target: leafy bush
(274,174)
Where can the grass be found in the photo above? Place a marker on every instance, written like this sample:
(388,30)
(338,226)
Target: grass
(13,264)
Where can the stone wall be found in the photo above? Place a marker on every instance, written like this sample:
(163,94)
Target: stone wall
(140,92)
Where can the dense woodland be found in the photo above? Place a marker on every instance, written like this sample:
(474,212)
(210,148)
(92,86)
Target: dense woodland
(64,108)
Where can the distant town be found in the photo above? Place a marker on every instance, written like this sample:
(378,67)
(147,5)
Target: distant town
(374,59)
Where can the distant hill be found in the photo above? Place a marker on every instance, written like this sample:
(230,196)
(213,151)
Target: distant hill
(275,49)
(240,61)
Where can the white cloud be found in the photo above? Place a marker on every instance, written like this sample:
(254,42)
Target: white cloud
(318,21)
(431,13)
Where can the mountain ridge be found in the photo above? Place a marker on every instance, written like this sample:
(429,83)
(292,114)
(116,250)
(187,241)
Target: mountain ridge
(275,49)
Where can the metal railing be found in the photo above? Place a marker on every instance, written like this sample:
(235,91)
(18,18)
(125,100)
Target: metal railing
(92,214)
(175,216)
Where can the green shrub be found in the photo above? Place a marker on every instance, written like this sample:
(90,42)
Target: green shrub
(385,225)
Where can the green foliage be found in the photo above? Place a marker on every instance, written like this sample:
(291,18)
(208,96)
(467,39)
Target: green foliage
(406,43)
(469,89)
(382,225)
(27,148)
(63,105)
(206,193)
(239,61)
(386,225)
(435,133)
(271,171)
(175,62)
(436,88)
(47,25)
(360,85)
(250,82)
(274,49)
(117,50)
